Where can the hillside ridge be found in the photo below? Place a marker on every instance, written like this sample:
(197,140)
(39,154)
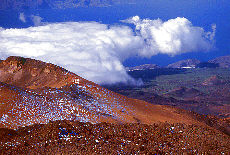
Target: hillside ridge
(43,92)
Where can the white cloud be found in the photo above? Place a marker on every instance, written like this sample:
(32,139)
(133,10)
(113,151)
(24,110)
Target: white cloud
(90,49)
(37,20)
(211,35)
(96,51)
(22,17)
(172,37)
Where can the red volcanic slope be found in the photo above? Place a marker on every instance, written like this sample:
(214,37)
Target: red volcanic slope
(213,80)
(32,91)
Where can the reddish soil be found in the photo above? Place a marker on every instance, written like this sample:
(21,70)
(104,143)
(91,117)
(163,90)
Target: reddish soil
(67,137)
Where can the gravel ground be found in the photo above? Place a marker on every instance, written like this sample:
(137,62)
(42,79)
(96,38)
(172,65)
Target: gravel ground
(67,137)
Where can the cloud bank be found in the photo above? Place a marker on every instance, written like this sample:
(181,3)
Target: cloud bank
(96,51)
(172,37)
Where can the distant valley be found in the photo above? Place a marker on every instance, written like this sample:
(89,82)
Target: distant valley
(187,84)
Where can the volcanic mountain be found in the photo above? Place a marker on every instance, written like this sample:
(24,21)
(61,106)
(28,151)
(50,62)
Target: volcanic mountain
(33,91)
(223,61)
(143,67)
(189,63)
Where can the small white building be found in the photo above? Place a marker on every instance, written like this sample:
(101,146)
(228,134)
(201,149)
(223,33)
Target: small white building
(76,81)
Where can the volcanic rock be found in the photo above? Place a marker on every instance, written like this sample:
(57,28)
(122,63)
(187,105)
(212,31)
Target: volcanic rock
(68,137)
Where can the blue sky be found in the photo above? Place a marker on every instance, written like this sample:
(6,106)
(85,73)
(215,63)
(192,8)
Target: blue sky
(200,13)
